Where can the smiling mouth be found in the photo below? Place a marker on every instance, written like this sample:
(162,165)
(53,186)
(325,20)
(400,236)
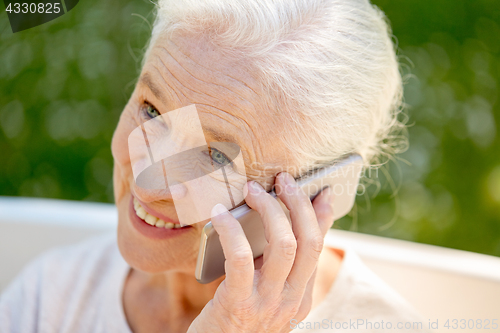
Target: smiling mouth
(153,220)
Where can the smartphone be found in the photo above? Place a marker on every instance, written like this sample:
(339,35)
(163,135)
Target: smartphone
(342,177)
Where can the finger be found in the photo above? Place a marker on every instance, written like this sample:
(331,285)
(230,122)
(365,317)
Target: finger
(239,258)
(307,299)
(323,208)
(306,230)
(279,254)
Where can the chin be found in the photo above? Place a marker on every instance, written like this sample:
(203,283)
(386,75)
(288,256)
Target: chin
(155,255)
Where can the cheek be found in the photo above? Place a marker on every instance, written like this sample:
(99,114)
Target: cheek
(119,149)
(119,144)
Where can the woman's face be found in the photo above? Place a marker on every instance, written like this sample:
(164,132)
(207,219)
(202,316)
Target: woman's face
(180,72)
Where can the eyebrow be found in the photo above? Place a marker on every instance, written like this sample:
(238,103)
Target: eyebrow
(148,82)
(220,137)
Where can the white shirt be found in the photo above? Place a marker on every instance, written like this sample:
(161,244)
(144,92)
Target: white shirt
(78,289)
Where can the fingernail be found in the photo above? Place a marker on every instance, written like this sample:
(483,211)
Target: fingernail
(329,194)
(288,179)
(255,187)
(218,210)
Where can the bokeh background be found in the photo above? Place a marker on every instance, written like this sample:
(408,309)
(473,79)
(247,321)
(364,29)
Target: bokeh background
(64,84)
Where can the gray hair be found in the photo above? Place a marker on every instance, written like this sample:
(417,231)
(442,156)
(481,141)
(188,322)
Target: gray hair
(329,65)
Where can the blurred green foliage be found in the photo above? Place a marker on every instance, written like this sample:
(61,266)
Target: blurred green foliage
(57,79)
(63,86)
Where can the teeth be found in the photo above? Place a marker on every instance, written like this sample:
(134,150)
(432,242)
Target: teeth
(150,219)
(153,220)
(141,213)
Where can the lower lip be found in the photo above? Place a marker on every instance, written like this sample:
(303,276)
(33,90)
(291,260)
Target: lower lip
(151,231)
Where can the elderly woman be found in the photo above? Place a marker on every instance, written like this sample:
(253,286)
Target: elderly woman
(296,84)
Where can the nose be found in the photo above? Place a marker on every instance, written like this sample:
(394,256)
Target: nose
(150,195)
(152,185)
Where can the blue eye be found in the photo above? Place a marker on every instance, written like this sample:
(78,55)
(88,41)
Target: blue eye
(218,157)
(151,111)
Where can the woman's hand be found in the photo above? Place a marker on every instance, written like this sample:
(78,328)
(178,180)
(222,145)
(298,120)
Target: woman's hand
(266,299)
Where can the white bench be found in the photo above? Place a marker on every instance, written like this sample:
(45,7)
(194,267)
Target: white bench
(441,283)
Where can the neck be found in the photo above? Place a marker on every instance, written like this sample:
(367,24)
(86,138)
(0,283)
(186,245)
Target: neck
(164,302)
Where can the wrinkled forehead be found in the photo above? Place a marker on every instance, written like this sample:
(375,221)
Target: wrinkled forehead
(194,65)
(198,53)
